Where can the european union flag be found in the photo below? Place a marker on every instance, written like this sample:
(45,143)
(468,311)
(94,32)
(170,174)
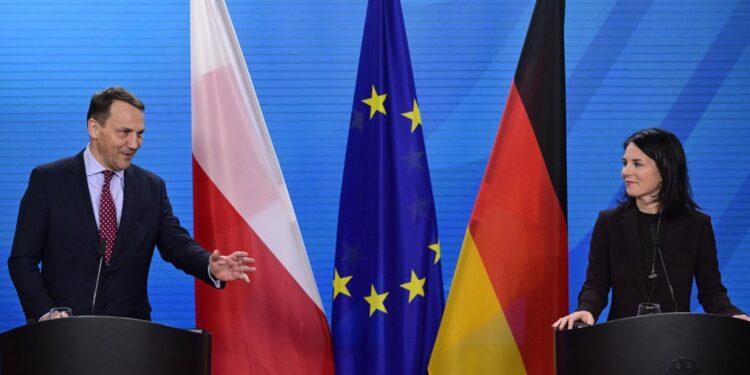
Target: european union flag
(387,287)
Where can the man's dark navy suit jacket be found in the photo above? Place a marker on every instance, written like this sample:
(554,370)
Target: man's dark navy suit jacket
(57,227)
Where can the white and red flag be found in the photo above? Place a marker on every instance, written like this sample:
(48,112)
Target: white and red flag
(276,324)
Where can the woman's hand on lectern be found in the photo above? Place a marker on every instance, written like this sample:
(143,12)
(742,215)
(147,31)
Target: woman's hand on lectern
(567,322)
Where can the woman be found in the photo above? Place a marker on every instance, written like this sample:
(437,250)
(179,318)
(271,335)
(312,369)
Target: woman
(654,243)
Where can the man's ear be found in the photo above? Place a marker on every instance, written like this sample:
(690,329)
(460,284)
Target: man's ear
(93,128)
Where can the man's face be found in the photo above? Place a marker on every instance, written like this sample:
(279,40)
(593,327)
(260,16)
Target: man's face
(115,142)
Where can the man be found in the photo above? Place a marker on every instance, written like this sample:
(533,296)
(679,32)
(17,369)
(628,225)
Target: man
(97,210)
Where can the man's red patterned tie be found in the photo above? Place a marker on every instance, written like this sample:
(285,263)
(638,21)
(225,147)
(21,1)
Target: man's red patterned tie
(107,217)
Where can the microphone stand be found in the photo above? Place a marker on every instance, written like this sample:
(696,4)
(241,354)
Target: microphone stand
(102,250)
(657,250)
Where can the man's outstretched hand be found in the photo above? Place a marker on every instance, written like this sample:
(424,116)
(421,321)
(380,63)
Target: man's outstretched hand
(231,267)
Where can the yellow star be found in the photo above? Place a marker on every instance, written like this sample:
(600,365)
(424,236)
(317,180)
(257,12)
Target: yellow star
(339,284)
(375,102)
(436,248)
(376,301)
(415,116)
(415,286)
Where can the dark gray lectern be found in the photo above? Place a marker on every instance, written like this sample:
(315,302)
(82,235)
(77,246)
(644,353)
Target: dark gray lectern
(677,343)
(103,345)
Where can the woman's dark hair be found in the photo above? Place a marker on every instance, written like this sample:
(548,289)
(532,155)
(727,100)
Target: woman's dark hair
(102,100)
(666,150)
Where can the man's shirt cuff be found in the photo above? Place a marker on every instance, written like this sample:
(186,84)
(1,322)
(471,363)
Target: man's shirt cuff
(217,283)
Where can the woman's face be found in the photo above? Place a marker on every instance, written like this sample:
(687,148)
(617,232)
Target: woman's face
(642,177)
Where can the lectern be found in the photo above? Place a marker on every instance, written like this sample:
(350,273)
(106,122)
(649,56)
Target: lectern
(103,345)
(676,343)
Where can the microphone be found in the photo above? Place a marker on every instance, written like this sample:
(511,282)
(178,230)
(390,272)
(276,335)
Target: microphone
(657,244)
(653,275)
(102,250)
(666,275)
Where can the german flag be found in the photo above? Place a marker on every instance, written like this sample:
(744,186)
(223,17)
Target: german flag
(511,281)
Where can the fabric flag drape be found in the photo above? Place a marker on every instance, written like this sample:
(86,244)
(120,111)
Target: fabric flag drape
(511,280)
(387,287)
(276,324)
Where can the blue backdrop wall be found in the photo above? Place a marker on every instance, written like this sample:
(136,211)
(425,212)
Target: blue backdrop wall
(683,65)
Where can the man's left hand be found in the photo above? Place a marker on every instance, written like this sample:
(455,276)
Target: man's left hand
(231,267)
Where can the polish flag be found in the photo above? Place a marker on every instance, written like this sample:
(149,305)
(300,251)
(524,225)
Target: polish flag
(276,324)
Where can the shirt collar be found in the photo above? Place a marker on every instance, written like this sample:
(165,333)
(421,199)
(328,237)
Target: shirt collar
(93,167)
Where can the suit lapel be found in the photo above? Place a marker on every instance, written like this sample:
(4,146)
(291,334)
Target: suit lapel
(78,190)
(130,199)
(631,239)
(674,231)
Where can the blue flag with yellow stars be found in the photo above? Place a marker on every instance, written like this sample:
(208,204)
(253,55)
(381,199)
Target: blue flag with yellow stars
(387,282)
